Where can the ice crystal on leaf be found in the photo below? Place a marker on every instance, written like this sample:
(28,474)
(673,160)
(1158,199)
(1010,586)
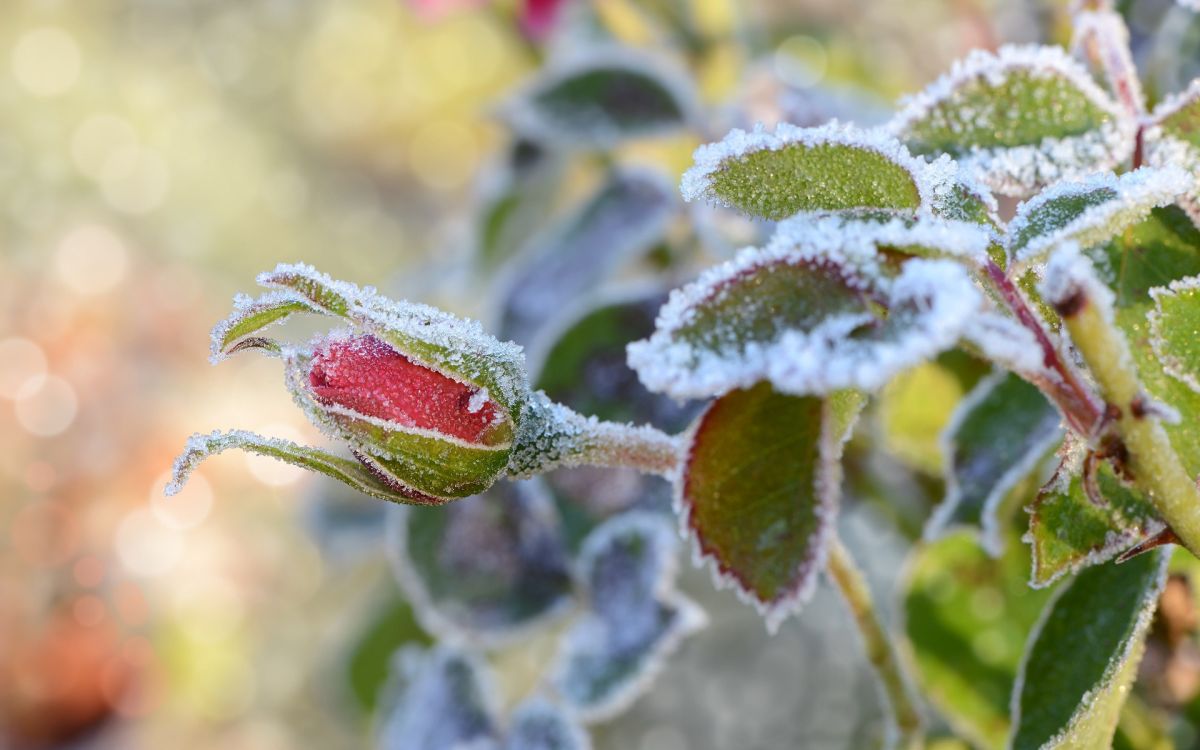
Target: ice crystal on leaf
(1091,211)
(1174,322)
(445,701)
(1019,118)
(804,313)
(634,619)
(830,168)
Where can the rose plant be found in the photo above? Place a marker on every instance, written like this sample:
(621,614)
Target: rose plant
(1071,315)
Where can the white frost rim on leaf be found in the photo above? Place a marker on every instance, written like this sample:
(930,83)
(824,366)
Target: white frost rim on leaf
(817,361)
(526,117)
(827,483)
(430,615)
(1137,193)
(1007,343)
(1175,102)
(990,536)
(459,339)
(1171,363)
(709,158)
(413,665)
(1132,646)
(689,617)
(245,306)
(1017,170)
(1070,272)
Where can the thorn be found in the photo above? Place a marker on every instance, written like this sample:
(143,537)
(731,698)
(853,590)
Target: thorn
(1164,537)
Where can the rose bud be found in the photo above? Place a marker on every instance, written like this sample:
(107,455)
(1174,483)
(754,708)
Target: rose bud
(430,406)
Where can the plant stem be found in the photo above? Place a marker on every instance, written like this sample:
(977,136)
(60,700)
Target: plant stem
(879,648)
(1074,399)
(643,448)
(1155,467)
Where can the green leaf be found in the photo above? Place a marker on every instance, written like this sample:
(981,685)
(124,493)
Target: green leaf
(1162,249)
(625,217)
(487,569)
(997,437)
(250,316)
(831,168)
(760,491)
(1092,211)
(634,620)
(455,347)
(967,616)
(993,113)
(1173,135)
(387,629)
(1174,323)
(346,470)
(1081,662)
(598,99)
(515,202)
(807,312)
(1069,530)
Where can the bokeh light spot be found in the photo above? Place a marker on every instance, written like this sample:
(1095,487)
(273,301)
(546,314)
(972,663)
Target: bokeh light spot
(46,61)
(800,61)
(24,364)
(46,406)
(147,548)
(91,259)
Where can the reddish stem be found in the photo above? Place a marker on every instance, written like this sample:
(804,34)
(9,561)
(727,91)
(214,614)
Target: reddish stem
(1073,398)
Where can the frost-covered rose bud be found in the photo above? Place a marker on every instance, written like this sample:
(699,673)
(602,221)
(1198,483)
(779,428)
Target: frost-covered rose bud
(429,433)
(430,407)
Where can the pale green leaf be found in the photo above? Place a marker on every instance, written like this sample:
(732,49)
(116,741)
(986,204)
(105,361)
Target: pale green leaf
(831,168)
(1175,329)
(1018,118)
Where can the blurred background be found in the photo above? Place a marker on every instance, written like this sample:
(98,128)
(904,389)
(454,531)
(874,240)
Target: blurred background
(155,155)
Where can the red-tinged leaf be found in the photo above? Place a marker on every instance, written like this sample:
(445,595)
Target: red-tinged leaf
(761,487)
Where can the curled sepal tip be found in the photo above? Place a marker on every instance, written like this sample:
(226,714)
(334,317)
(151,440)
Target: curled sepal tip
(345,470)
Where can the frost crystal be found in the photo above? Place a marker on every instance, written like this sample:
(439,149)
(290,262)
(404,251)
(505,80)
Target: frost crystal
(1161,338)
(1052,122)
(1103,35)
(930,303)
(1068,273)
(635,617)
(1091,211)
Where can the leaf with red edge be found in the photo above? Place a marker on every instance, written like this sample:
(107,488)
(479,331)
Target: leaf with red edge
(760,491)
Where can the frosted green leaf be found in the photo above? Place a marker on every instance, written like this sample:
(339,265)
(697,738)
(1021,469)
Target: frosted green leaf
(1175,329)
(967,616)
(1019,118)
(625,217)
(485,570)
(251,316)
(459,349)
(806,313)
(760,492)
(597,99)
(777,174)
(634,620)
(1068,530)
(346,470)
(998,435)
(1092,211)
(1173,135)
(1159,250)
(1082,660)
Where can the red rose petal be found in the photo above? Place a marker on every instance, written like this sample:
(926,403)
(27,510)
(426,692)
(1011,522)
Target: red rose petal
(368,376)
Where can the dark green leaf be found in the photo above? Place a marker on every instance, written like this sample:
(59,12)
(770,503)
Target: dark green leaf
(997,437)
(1084,656)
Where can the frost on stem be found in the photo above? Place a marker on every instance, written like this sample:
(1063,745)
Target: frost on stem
(1091,211)
(1102,36)
(1019,118)
(834,167)
(634,619)
(804,312)
(487,570)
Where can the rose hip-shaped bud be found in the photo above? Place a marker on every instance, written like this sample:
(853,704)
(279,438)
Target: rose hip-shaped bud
(428,434)
(430,407)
